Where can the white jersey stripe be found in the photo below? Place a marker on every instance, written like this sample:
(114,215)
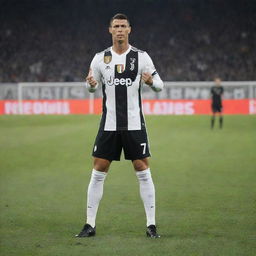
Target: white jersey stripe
(111,110)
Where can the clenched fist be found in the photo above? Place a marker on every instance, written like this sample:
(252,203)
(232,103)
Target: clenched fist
(90,79)
(147,78)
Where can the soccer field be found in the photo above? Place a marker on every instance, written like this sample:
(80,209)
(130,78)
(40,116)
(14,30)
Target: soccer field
(205,184)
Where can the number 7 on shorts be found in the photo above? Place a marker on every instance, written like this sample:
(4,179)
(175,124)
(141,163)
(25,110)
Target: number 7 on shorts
(144,145)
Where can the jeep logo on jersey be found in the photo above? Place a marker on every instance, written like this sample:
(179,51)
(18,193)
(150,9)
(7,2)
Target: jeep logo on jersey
(119,81)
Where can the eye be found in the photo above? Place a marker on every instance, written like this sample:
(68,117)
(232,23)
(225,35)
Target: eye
(118,26)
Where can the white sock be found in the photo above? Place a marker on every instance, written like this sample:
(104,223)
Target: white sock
(147,193)
(94,195)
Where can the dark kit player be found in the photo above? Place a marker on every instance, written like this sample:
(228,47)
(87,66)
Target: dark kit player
(121,70)
(216,95)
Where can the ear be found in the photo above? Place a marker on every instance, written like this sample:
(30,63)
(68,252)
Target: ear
(110,30)
(130,29)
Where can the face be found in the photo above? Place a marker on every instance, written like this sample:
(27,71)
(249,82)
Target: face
(120,30)
(217,81)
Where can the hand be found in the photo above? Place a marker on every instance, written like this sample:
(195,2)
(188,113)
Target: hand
(147,78)
(90,79)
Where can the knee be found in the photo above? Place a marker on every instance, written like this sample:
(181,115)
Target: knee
(101,165)
(140,164)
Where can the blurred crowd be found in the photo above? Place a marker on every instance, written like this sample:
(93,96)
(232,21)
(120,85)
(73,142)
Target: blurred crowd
(188,40)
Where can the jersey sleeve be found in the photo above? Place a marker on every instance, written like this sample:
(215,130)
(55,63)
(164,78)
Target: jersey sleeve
(148,66)
(95,73)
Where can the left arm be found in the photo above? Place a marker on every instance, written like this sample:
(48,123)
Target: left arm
(150,76)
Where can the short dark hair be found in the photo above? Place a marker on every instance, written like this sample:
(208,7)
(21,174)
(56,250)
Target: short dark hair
(119,16)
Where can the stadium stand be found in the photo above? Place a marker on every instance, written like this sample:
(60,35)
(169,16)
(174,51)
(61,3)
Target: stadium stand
(188,40)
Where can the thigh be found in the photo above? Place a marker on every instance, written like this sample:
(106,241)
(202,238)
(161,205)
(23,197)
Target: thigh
(215,108)
(108,145)
(135,144)
(218,108)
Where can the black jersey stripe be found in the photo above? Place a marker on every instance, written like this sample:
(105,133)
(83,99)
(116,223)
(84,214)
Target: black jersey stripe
(104,109)
(142,121)
(121,108)
(121,102)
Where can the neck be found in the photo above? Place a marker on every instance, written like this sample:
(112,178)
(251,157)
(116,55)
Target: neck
(120,47)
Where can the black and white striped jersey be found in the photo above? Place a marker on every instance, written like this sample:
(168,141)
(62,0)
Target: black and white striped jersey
(120,78)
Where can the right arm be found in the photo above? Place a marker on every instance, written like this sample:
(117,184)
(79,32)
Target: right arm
(93,79)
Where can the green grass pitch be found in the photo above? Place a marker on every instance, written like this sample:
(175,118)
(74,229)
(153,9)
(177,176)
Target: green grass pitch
(205,182)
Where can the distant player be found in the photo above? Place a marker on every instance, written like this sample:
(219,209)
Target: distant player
(216,95)
(121,70)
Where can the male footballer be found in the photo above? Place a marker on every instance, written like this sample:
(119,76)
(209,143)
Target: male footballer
(216,95)
(121,70)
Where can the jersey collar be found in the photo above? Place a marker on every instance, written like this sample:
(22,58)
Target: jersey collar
(113,52)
